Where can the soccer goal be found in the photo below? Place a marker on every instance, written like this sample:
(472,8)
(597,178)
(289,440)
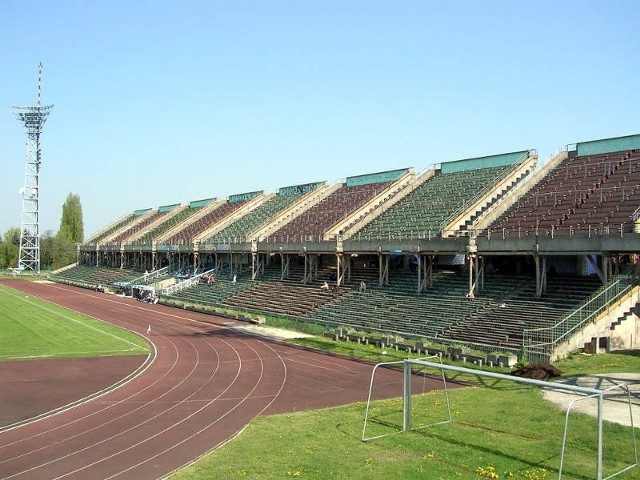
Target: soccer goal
(410,366)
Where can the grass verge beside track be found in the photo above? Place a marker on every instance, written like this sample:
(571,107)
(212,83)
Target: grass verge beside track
(500,430)
(32,328)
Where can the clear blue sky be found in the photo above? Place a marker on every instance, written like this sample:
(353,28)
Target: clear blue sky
(162,102)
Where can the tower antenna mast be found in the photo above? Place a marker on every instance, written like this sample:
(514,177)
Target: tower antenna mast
(33,119)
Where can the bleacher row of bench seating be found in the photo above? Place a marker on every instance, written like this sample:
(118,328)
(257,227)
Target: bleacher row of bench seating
(496,319)
(111,229)
(196,228)
(138,226)
(238,231)
(90,276)
(148,237)
(582,192)
(330,210)
(427,208)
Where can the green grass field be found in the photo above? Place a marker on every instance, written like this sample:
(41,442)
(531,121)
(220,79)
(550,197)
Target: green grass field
(501,430)
(32,328)
(511,433)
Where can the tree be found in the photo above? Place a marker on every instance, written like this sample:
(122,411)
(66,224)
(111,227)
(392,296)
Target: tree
(71,225)
(61,250)
(9,248)
(47,247)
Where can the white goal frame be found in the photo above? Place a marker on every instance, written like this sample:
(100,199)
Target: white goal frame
(587,392)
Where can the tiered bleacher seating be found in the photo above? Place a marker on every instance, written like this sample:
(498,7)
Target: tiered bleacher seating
(137,227)
(270,294)
(110,230)
(588,192)
(399,309)
(89,276)
(311,225)
(165,226)
(501,323)
(238,231)
(592,193)
(187,235)
(282,297)
(497,318)
(213,293)
(426,210)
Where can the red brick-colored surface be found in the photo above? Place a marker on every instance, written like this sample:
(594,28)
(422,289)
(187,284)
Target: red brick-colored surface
(205,382)
(33,387)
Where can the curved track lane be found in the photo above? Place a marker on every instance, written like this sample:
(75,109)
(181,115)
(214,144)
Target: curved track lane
(204,383)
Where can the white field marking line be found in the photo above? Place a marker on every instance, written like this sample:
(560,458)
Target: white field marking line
(187,418)
(94,396)
(133,375)
(60,315)
(96,412)
(215,447)
(91,327)
(282,384)
(191,320)
(82,354)
(238,370)
(112,405)
(120,417)
(148,308)
(237,405)
(143,306)
(330,367)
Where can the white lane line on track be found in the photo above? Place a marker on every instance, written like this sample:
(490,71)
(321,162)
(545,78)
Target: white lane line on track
(273,399)
(190,320)
(100,411)
(132,376)
(125,431)
(238,371)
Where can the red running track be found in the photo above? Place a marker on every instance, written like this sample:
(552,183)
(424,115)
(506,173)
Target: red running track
(204,384)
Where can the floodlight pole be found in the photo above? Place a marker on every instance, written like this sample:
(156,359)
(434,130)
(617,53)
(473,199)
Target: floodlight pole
(33,119)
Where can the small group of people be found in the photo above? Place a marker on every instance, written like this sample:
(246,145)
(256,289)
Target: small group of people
(148,297)
(326,288)
(207,278)
(144,295)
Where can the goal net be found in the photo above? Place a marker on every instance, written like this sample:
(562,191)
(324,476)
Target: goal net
(411,412)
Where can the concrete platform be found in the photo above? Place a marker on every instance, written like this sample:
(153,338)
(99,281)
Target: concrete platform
(616,406)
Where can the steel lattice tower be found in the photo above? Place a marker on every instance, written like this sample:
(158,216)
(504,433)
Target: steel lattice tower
(33,119)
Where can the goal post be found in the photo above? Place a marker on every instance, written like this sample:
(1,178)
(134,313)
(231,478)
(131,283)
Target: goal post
(406,398)
(593,393)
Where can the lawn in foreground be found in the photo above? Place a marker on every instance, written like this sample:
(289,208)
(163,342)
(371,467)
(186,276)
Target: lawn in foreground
(32,328)
(500,430)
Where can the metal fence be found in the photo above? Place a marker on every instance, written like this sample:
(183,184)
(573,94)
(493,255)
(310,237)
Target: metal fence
(538,343)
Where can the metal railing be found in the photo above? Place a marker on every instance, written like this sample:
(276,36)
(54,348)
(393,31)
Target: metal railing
(538,343)
(189,282)
(488,188)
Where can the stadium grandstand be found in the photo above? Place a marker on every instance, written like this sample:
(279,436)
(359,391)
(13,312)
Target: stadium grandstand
(494,253)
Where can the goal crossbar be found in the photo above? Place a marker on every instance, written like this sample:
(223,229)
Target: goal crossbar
(406,407)
(592,393)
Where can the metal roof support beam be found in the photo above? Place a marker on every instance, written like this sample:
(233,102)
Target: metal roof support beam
(425,272)
(541,274)
(310,268)
(343,264)
(284,265)
(383,269)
